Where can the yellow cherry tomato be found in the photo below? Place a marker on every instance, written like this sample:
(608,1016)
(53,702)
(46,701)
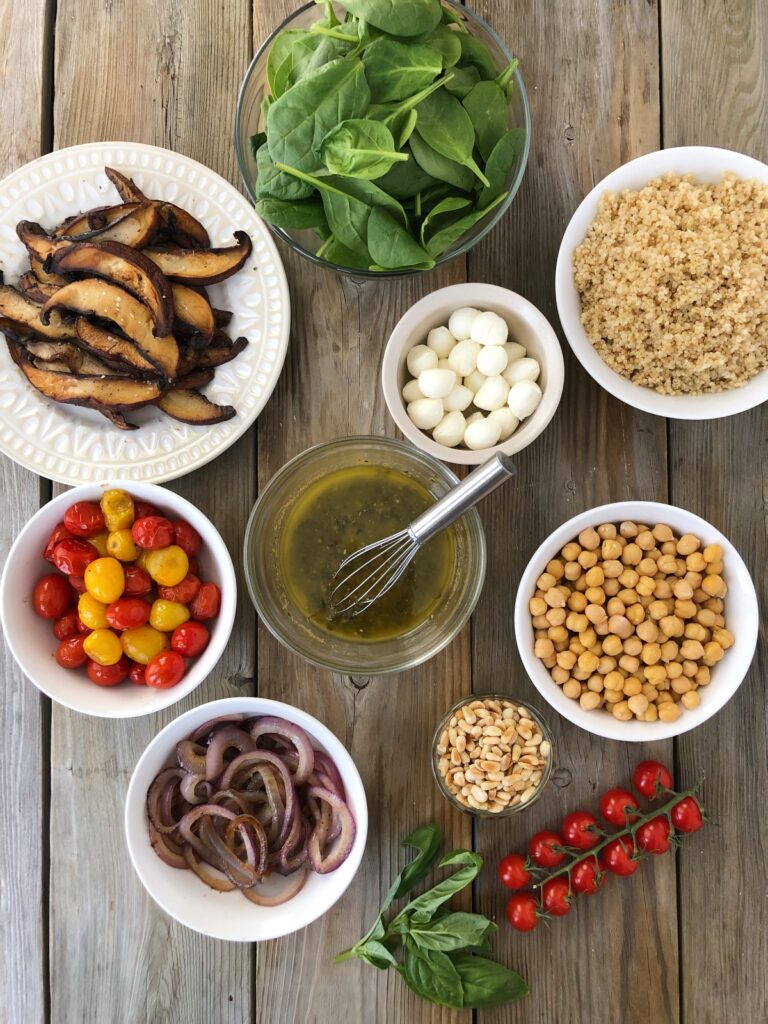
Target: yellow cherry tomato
(141,558)
(92,613)
(120,545)
(105,579)
(117,507)
(99,542)
(167,615)
(103,646)
(167,566)
(143,643)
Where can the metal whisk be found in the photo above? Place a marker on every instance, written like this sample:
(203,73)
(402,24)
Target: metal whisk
(367,574)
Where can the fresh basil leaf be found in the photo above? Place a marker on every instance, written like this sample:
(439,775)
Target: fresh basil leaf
(476,54)
(426,840)
(360,148)
(486,105)
(452,931)
(439,166)
(296,215)
(390,244)
(447,205)
(405,180)
(446,126)
(396,70)
(502,160)
(463,80)
(274,184)
(486,983)
(444,237)
(377,955)
(431,974)
(421,909)
(398,17)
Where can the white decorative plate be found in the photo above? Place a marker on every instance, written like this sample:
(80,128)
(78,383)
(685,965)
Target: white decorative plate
(75,445)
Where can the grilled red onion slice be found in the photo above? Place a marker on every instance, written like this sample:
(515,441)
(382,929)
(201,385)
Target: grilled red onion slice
(295,886)
(224,740)
(191,757)
(271,725)
(324,864)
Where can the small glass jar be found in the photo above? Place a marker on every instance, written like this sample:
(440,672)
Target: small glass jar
(468,803)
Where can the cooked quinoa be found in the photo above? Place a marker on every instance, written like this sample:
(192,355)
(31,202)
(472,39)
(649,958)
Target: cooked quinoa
(674,283)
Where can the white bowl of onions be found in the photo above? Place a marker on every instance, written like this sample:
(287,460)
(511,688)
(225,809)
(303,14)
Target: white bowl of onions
(246,819)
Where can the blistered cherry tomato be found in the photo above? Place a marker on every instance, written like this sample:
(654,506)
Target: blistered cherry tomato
(523,912)
(103,646)
(144,508)
(185,592)
(194,566)
(586,877)
(143,643)
(120,545)
(117,507)
(105,579)
(52,596)
(653,836)
(108,675)
(84,519)
(167,566)
(92,613)
(153,533)
(70,653)
(616,806)
(165,670)
(137,675)
(127,613)
(100,543)
(72,556)
(191,639)
(137,581)
(555,897)
(77,583)
(651,779)
(66,625)
(618,856)
(167,615)
(206,603)
(581,830)
(59,532)
(187,536)
(686,815)
(512,871)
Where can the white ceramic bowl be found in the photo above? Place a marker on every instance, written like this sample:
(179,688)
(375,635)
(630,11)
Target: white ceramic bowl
(741,615)
(707,164)
(31,639)
(526,325)
(229,915)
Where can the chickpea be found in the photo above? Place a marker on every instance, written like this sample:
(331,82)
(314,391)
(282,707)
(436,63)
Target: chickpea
(713,652)
(620,626)
(606,665)
(724,637)
(614,681)
(638,704)
(580,674)
(669,712)
(655,674)
(631,555)
(576,623)
(588,662)
(572,689)
(714,586)
(648,631)
(664,698)
(629,578)
(694,578)
(651,713)
(691,650)
(589,701)
(615,606)
(628,529)
(695,562)
(688,543)
(645,540)
(690,700)
(595,595)
(713,553)
(607,531)
(558,634)
(657,609)
(662,590)
(669,650)
(633,645)
(540,622)
(595,613)
(622,711)
(650,654)
(715,605)
(667,564)
(682,590)
(571,551)
(702,677)
(556,568)
(587,559)
(671,625)
(715,568)
(610,549)
(674,670)
(612,696)
(546,581)
(650,691)
(681,685)
(579,585)
(572,571)
(693,631)
(566,660)
(601,628)
(595,683)
(589,539)
(612,568)
(612,644)
(544,648)
(646,567)
(636,613)
(554,598)
(669,547)
(685,609)
(645,586)
(611,588)
(577,602)
(555,616)
(588,638)
(628,596)
(628,663)
(560,675)
(689,668)
(537,606)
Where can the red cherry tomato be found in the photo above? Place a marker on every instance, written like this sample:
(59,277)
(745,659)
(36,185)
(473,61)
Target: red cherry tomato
(618,856)
(143,508)
(152,532)
(52,596)
(70,653)
(653,836)
(581,830)
(586,877)
(187,537)
(651,778)
(82,628)
(136,675)
(128,613)
(686,815)
(72,556)
(555,897)
(513,871)
(165,670)
(84,519)
(78,585)
(194,566)
(137,581)
(109,675)
(183,592)
(616,806)
(206,602)
(59,532)
(523,912)
(190,639)
(67,625)
(541,849)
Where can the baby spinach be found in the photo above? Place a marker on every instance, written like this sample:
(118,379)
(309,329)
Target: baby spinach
(402,126)
(390,244)
(274,184)
(295,215)
(475,54)
(398,17)
(463,80)
(439,166)
(290,49)
(447,205)
(486,105)
(442,239)
(404,181)
(503,158)
(445,125)
(397,70)
(360,149)
(445,42)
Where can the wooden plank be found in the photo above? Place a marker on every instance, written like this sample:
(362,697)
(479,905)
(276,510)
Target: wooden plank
(24,713)
(592,76)
(168,74)
(715,92)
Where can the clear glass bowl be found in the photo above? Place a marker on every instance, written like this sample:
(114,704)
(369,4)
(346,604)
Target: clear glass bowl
(267,588)
(444,724)
(249,120)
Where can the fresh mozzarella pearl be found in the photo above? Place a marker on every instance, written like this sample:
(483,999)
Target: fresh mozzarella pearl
(492,394)
(507,420)
(483,433)
(475,418)
(491,359)
(420,358)
(458,399)
(441,341)
(521,369)
(450,430)
(463,357)
(514,351)
(489,329)
(412,391)
(425,413)
(474,381)
(437,383)
(460,322)
(524,398)
(443,364)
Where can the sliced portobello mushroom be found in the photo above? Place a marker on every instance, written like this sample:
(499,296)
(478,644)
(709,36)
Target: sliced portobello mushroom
(35,290)
(202,266)
(114,349)
(136,229)
(222,316)
(180,225)
(195,379)
(193,311)
(92,220)
(94,297)
(37,267)
(190,406)
(210,357)
(117,419)
(23,313)
(124,266)
(38,243)
(66,353)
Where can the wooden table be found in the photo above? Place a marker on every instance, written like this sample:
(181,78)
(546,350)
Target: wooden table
(685,939)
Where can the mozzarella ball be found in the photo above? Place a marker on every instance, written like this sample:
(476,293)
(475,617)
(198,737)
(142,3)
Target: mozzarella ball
(524,398)
(521,369)
(437,383)
(443,364)
(506,419)
(489,329)
(450,430)
(441,341)
(474,381)
(425,413)
(458,399)
(491,359)
(483,433)
(412,391)
(514,351)
(492,394)
(460,322)
(463,357)
(475,418)
(420,358)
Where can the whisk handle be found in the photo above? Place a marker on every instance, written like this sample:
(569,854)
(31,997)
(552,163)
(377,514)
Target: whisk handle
(469,492)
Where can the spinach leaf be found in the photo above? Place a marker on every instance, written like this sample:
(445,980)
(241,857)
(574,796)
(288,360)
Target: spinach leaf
(297,215)
(291,48)
(389,112)
(274,184)
(256,141)
(444,237)
(504,78)
(439,166)
(485,982)
(404,181)
(402,126)
(446,43)
(397,70)
(390,244)
(503,158)
(334,252)
(463,80)
(398,17)
(486,105)
(452,932)
(445,125)
(360,148)
(299,120)
(450,17)
(431,974)
(447,205)
(475,54)
(421,909)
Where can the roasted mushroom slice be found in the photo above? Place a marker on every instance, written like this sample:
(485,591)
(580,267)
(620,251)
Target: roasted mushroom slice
(126,267)
(202,266)
(180,225)
(91,220)
(16,307)
(36,240)
(113,349)
(35,290)
(66,353)
(190,406)
(196,379)
(193,311)
(208,358)
(117,419)
(43,276)
(92,296)
(222,316)
(136,228)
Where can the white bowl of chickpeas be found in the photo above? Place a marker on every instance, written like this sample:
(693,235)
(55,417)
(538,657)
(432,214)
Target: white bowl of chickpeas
(636,620)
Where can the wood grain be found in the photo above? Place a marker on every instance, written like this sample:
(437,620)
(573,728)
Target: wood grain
(715,91)
(165,73)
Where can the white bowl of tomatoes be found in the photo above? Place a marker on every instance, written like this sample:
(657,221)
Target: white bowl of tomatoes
(117,600)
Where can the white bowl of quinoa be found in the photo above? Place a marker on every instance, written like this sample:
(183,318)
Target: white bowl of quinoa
(662,283)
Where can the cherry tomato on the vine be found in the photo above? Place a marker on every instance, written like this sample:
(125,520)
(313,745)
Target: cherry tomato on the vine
(52,596)
(187,537)
(586,877)
(153,533)
(185,592)
(84,519)
(618,856)
(541,849)
(190,639)
(72,556)
(70,653)
(555,896)
(67,625)
(513,869)
(137,581)
(616,806)
(108,675)
(651,779)
(58,533)
(165,670)
(523,912)
(653,836)
(581,830)
(686,815)
(206,603)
